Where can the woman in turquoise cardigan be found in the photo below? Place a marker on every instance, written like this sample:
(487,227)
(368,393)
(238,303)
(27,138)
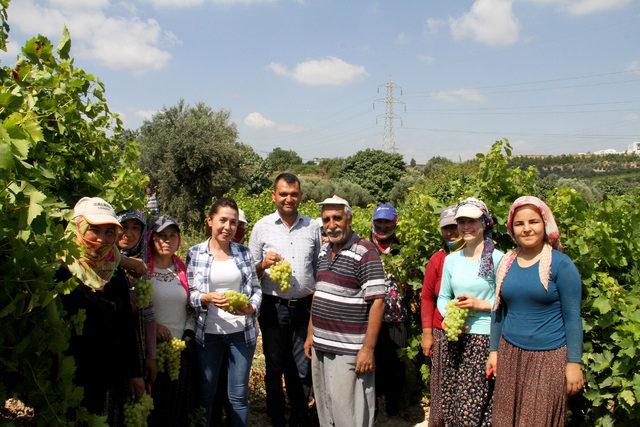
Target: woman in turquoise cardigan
(468,278)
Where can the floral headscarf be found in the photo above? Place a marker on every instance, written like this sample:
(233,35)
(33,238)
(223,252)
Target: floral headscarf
(486,258)
(140,248)
(552,241)
(97,262)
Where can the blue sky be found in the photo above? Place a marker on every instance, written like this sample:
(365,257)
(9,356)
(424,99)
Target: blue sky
(554,76)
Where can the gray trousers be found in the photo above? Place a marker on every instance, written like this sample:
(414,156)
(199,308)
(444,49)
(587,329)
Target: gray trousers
(343,399)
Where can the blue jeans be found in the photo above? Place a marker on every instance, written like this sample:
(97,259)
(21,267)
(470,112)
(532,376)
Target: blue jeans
(239,354)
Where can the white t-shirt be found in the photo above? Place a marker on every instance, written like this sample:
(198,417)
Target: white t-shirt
(224,276)
(169,300)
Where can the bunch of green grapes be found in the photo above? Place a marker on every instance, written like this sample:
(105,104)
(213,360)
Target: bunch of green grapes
(136,412)
(454,320)
(280,273)
(144,292)
(237,301)
(168,357)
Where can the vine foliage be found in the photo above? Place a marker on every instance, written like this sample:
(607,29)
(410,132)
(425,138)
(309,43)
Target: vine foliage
(56,145)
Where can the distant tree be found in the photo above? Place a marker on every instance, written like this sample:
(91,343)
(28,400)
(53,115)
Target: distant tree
(374,170)
(412,163)
(401,188)
(436,163)
(191,154)
(330,167)
(319,189)
(280,160)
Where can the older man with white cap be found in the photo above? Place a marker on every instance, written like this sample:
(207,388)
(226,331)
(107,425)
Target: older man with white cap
(346,315)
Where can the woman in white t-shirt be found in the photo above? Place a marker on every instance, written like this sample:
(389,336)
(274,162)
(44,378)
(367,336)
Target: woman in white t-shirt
(174,400)
(216,266)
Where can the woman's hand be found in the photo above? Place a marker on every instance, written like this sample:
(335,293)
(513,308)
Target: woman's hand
(136,387)
(575,378)
(246,310)
(163,333)
(427,341)
(215,298)
(492,364)
(134,266)
(150,370)
(471,302)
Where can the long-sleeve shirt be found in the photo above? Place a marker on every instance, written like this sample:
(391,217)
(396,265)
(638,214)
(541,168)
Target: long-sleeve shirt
(431,317)
(532,318)
(199,263)
(106,352)
(460,276)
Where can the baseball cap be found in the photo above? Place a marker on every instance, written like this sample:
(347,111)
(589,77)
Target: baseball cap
(334,200)
(470,208)
(162,222)
(96,211)
(132,214)
(242,217)
(448,216)
(385,211)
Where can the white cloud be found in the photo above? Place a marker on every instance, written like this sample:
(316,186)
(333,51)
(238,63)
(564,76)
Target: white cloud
(434,25)
(330,71)
(121,43)
(585,7)
(489,22)
(256,120)
(279,69)
(79,4)
(191,3)
(462,94)
(145,114)
(426,59)
(402,39)
(634,67)
(12,51)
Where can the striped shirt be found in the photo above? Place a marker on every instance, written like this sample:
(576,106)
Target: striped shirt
(345,287)
(199,261)
(299,245)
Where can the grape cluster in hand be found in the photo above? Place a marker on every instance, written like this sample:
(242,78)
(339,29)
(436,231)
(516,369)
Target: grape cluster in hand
(168,354)
(136,412)
(144,292)
(454,320)
(237,301)
(280,273)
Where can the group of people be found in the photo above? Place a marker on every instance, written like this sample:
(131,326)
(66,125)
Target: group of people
(518,359)
(333,336)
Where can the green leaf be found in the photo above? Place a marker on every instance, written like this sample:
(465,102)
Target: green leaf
(6,156)
(33,129)
(627,396)
(602,304)
(38,48)
(35,198)
(64,44)
(10,101)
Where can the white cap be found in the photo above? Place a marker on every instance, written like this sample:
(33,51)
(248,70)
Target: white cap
(335,200)
(96,211)
(468,208)
(242,217)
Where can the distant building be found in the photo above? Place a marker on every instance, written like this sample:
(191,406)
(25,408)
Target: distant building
(606,151)
(633,148)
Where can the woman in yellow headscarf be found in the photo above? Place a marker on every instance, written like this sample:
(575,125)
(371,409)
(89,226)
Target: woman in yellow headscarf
(105,347)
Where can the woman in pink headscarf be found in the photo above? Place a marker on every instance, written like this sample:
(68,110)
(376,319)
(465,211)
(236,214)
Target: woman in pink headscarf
(536,330)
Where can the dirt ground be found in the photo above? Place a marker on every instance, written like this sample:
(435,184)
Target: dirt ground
(411,415)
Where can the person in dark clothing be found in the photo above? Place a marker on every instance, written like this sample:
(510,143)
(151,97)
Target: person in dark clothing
(105,348)
(390,370)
